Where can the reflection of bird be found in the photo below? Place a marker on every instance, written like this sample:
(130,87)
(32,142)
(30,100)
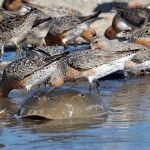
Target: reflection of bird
(14,29)
(68,28)
(139,36)
(127,19)
(26,72)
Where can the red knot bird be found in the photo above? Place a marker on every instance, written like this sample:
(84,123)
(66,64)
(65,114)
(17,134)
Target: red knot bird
(140,61)
(140,36)
(14,29)
(127,19)
(139,4)
(36,37)
(50,10)
(65,29)
(91,64)
(27,72)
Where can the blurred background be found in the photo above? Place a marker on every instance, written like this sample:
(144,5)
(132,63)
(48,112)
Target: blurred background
(87,6)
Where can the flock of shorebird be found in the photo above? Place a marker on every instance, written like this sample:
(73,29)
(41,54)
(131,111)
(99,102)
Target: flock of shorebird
(36,30)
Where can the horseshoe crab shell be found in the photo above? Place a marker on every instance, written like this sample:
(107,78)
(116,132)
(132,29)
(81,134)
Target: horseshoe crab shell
(62,104)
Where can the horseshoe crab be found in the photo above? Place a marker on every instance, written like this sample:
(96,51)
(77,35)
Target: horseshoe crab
(62,104)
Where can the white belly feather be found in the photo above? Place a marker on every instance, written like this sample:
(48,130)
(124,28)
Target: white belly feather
(40,76)
(109,68)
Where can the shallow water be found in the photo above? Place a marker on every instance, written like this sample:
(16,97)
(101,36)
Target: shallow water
(127,125)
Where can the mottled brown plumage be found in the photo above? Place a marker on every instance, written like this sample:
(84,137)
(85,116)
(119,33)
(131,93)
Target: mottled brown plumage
(140,35)
(127,19)
(19,72)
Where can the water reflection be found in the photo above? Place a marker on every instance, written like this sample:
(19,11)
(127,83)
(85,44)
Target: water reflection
(66,125)
(130,102)
(125,127)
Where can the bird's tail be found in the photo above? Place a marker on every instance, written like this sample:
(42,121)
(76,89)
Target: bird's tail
(92,17)
(59,56)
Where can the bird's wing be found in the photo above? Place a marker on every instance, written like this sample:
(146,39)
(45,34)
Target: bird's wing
(134,16)
(9,23)
(66,23)
(88,59)
(142,56)
(22,68)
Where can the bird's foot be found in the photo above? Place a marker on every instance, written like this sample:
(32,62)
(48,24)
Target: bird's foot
(3,114)
(97,87)
(19,52)
(1,59)
(126,75)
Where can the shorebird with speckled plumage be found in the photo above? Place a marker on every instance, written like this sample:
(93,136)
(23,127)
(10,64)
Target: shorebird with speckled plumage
(51,10)
(101,42)
(36,36)
(140,61)
(139,4)
(14,29)
(6,14)
(89,64)
(27,72)
(139,36)
(67,28)
(56,12)
(127,19)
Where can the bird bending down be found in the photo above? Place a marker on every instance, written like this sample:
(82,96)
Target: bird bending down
(89,64)
(139,62)
(36,37)
(27,72)
(127,19)
(140,36)
(67,28)
(14,29)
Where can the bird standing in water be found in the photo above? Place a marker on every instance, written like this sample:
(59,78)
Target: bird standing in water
(27,72)
(14,29)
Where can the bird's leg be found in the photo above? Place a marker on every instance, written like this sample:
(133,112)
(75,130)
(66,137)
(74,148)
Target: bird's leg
(1,51)
(3,113)
(97,87)
(18,51)
(75,82)
(65,46)
(125,73)
(1,58)
(43,43)
(46,83)
(90,87)
(27,51)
